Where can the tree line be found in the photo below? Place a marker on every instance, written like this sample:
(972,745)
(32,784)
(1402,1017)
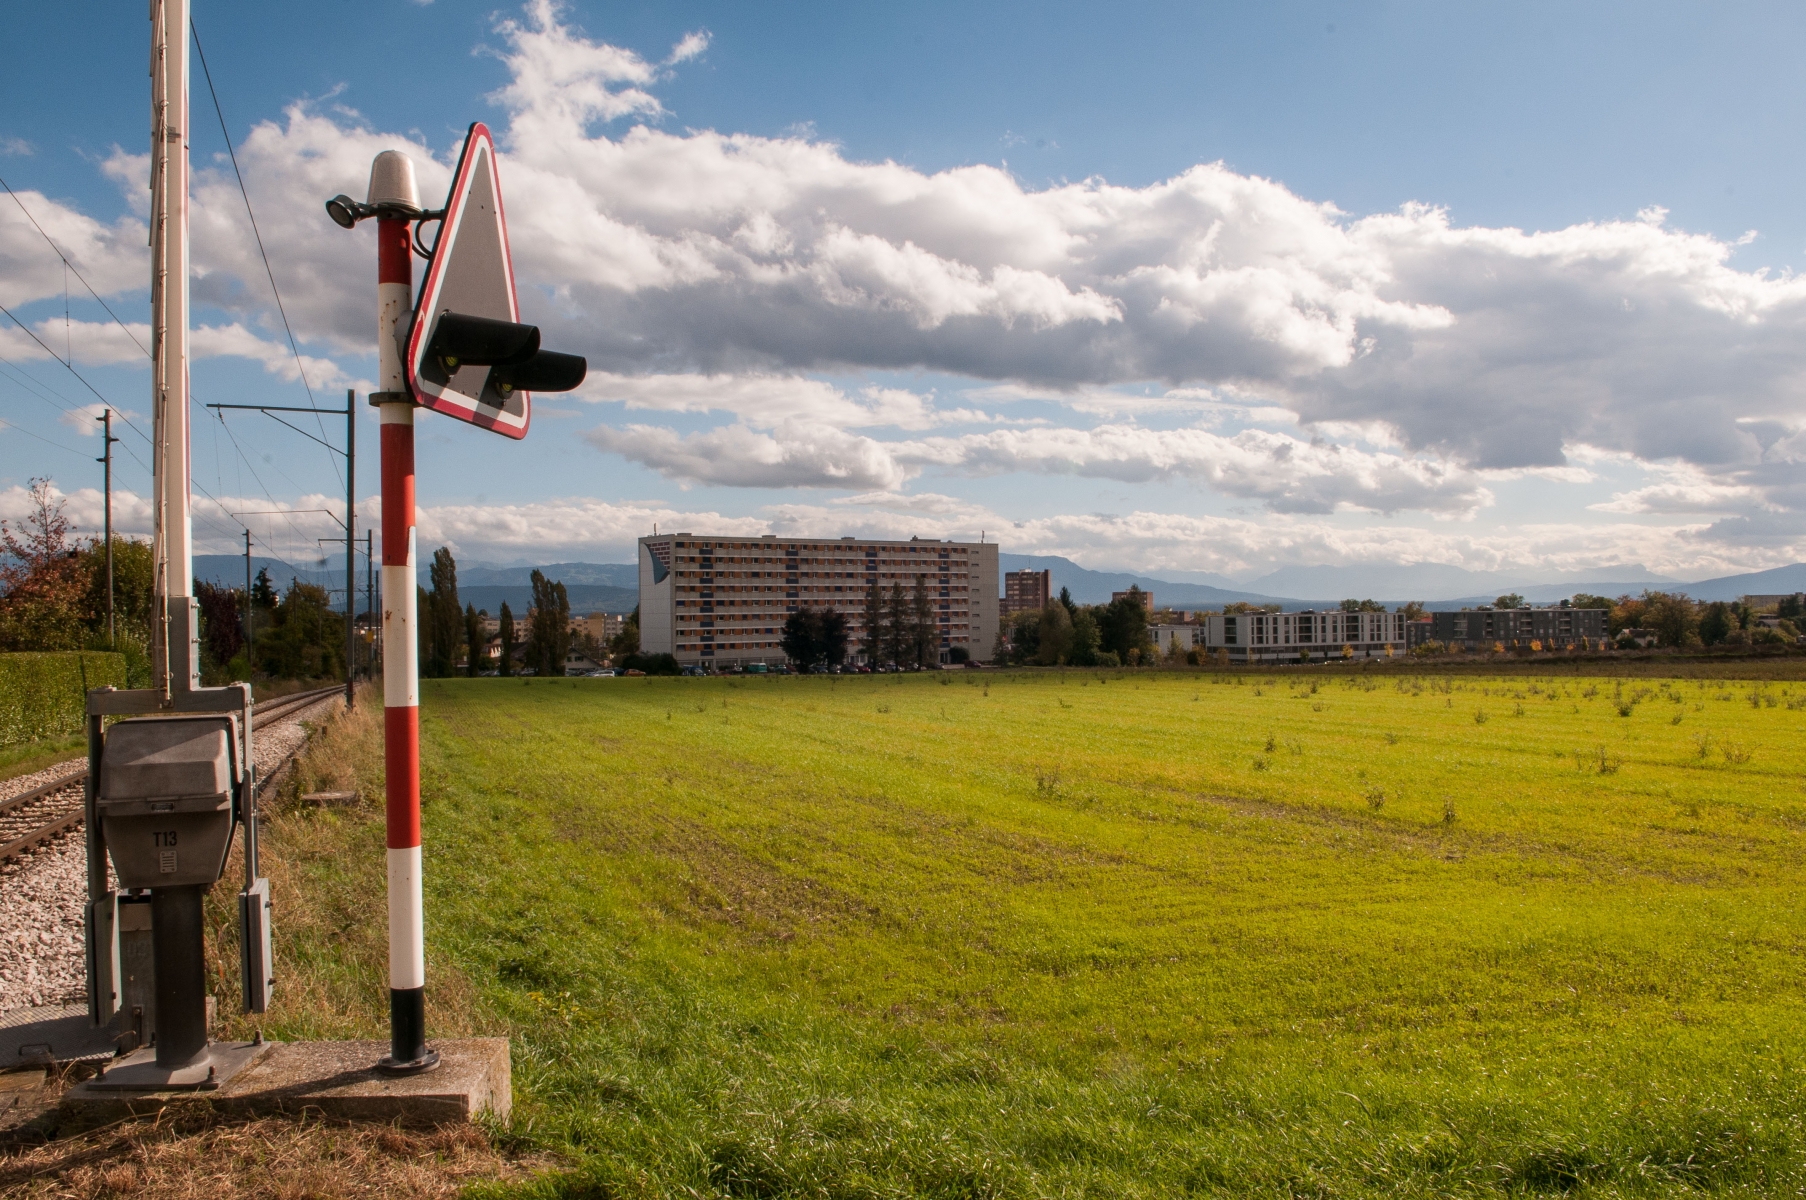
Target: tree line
(53,596)
(900,630)
(1677,620)
(455,639)
(1065,633)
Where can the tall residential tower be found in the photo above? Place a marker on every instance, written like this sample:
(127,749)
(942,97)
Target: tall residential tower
(719,600)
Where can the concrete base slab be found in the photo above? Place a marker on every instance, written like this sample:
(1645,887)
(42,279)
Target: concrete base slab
(333,1079)
(139,1072)
(52,1034)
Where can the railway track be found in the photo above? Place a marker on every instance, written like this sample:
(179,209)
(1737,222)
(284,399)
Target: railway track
(35,817)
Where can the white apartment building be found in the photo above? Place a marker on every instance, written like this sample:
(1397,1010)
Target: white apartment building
(722,601)
(1185,636)
(1297,636)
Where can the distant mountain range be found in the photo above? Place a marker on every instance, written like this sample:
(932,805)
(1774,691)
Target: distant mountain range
(1437,586)
(614,587)
(592,587)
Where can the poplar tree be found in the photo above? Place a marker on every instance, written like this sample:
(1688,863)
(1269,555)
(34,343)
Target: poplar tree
(923,649)
(473,639)
(549,632)
(873,642)
(506,631)
(896,642)
(443,627)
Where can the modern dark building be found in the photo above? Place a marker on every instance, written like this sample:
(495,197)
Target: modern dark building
(1027,591)
(1517,628)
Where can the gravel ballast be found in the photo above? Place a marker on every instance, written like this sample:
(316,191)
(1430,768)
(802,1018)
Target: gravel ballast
(42,894)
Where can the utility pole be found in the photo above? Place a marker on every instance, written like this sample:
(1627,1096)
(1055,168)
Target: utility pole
(250,612)
(175,644)
(350,548)
(106,420)
(370,597)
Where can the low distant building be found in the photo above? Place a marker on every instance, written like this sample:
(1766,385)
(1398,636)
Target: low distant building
(1304,636)
(1766,602)
(1027,591)
(1186,636)
(1147,598)
(578,663)
(1519,628)
(1418,632)
(604,627)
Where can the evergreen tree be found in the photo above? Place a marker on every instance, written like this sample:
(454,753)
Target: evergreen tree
(1122,626)
(872,644)
(549,631)
(924,648)
(801,640)
(833,637)
(443,617)
(628,640)
(507,637)
(815,637)
(1084,639)
(896,640)
(474,639)
(1054,641)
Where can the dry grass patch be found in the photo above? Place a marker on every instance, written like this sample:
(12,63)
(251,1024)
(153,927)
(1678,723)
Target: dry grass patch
(190,1155)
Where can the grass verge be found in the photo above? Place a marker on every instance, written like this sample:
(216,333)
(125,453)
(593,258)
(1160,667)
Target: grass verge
(1094,933)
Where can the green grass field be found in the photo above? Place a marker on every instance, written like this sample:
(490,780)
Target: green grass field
(1101,934)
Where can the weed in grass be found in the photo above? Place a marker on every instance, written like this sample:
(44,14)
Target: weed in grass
(1376,798)
(1479,716)
(1391,738)
(1260,764)
(1448,810)
(1735,752)
(1678,718)
(1272,743)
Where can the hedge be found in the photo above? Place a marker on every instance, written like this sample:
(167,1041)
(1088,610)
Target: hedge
(43,695)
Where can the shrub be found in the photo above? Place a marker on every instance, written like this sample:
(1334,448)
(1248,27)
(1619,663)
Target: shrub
(44,695)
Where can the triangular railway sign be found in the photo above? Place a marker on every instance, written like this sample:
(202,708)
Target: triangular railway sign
(470,274)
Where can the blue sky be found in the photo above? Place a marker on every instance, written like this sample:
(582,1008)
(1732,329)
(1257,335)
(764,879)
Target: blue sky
(1469,285)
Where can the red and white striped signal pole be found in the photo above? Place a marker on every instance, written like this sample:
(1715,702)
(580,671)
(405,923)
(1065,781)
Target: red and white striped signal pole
(393,196)
(510,367)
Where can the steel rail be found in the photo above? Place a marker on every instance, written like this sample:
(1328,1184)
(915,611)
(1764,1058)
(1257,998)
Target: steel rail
(269,710)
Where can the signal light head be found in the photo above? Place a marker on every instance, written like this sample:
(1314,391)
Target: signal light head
(459,340)
(546,371)
(346,212)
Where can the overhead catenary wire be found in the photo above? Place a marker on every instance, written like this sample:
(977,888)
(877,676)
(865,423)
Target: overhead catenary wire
(232,154)
(66,360)
(67,265)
